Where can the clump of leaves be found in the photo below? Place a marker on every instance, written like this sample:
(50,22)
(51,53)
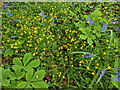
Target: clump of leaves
(21,74)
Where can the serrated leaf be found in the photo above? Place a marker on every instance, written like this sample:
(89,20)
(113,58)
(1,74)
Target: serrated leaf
(16,61)
(22,84)
(39,84)
(26,58)
(34,63)
(29,74)
(83,37)
(39,75)
(89,40)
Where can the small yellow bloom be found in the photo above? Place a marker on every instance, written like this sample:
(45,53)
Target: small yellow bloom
(92,58)
(113,22)
(33,54)
(45,80)
(16,51)
(93,73)
(104,53)
(98,17)
(63,77)
(88,68)
(97,64)
(107,40)
(53,75)
(96,67)
(109,67)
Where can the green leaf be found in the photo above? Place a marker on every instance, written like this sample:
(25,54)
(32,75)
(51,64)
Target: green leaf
(115,83)
(116,63)
(17,69)
(77,24)
(6,73)
(98,34)
(28,86)
(86,16)
(22,84)
(29,74)
(26,58)
(5,82)
(93,37)
(94,31)
(39,84)
(83,37)
(83,30)
(17,61)
(39,75)
(12,76)
(34,63)
(20,75)
(8,52)
(89,40)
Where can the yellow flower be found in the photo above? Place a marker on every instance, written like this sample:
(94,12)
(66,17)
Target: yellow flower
(88,68)
(109,67)
(58,75)
(35,31)
(98,17)
(33,54)
(45,80)
(93,73)
(97,64)
(40,57)
(99,58)
(105,7)
(16,51)
(104,53)
(96,67)
(63,77)
(113,22)
(53,75)
(92,58)
(15,43)
(107,40)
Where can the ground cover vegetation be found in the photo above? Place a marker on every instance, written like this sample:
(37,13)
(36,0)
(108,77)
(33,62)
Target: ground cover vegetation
(60,45)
